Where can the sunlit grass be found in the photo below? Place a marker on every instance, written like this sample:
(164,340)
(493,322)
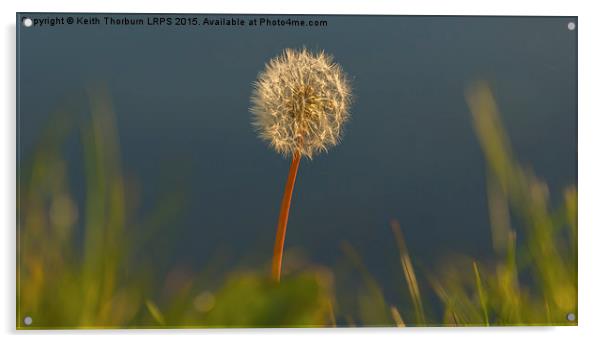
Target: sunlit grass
(81,267)
(533,279)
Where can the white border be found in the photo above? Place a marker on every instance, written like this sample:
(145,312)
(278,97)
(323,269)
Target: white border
(590,167)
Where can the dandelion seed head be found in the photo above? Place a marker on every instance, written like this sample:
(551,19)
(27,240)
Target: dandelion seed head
(300,102)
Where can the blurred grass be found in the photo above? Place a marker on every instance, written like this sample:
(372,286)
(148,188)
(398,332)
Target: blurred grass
(81,266)
(373,309)
(533,278)
(409,274)
(529,236)
(57,285)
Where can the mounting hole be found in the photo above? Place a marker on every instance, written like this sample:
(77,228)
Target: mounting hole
(27,320)
(571,26)
(570,317)
(27,22)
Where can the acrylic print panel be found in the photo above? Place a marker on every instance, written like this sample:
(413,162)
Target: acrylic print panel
(217,171)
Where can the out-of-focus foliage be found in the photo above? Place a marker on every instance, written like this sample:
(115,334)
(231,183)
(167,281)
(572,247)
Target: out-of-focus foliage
(372,307)
(533,280)
(248,300)
(62,283)
(79,266)
(254,301)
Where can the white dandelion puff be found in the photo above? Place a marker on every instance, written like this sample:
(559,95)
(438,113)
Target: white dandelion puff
(300,102)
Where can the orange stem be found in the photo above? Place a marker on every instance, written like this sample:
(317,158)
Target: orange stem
(285,206)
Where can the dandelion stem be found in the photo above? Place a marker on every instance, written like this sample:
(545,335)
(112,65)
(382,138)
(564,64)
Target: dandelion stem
(283,218)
